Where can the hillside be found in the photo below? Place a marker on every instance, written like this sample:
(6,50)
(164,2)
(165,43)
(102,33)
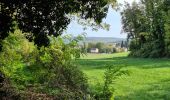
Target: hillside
(104,39)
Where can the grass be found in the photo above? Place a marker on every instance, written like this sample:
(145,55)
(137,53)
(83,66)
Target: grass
(148,79)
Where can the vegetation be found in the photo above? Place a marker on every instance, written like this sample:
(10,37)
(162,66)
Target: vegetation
(37,63)
(104,47)
(147,79)
(145,22)
(46,72)
(41,20)
(41,74)
(110,75)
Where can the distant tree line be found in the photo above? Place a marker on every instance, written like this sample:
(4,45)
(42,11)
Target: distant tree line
(104,47)
(147,25)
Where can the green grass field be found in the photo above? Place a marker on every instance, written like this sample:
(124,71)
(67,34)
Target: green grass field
(148,79)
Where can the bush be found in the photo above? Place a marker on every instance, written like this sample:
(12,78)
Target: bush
(1,79)
(47,72)
(152,49)
(134,45)
(110,75)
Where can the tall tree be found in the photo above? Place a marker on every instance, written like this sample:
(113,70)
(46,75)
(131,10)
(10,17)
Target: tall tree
(167,26)
(144,23)
(47,17)
(100,46)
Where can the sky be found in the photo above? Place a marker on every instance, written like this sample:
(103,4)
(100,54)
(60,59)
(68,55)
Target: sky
(113,19)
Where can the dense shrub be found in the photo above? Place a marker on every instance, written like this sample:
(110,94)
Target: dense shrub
(1,79)
(134,45)
(47,72)
(152,49)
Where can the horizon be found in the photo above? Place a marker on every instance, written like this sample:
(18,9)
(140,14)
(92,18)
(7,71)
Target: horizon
(105,37)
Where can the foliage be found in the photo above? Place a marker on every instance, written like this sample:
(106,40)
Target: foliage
(62,74)
(167,28)
(41,20)
(14,53)
(100,46)
(47,72)
(110,75)
(103,47)
(145,22)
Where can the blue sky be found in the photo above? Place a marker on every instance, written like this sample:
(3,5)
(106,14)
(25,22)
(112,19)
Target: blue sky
(113,18)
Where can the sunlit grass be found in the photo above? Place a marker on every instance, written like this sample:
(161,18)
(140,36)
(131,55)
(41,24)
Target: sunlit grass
(148,79)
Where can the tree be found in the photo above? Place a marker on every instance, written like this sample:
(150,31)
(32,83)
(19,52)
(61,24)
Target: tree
(166,8)
(132,19)
(100,46)
(84,48)
(91,45)
(47,17)
(145,25)
(134,23)
(122,44)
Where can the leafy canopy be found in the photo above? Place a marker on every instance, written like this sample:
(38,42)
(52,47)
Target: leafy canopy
(47,17)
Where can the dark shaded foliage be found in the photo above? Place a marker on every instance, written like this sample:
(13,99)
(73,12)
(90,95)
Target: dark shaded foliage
(7,92)
(47,17)
(1,78)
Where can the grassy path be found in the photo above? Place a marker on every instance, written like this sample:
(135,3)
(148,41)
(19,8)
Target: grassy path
(149,79)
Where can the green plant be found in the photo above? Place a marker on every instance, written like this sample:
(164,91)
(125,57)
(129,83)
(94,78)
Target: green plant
(47,71)
(111,74)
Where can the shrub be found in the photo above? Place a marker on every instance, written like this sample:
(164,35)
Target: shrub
(110,75)
(151,49)
(134,45)
(44,72)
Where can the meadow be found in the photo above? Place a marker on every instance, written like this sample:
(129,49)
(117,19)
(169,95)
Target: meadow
(147,79)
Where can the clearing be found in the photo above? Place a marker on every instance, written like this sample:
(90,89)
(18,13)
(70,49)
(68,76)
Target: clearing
(148,79)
